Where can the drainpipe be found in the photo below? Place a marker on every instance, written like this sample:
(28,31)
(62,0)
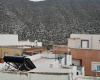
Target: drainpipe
(65,58)
(91,41)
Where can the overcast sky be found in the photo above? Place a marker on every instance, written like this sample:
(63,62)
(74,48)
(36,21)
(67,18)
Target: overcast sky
(36,0)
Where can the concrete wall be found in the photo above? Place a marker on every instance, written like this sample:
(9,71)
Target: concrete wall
(8,39)
(94,42)
(32,76)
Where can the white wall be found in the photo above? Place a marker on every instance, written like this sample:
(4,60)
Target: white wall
(83,72)
(12,39)
(30,43)
(39,44)
(2,66)
(68,61)
(8,39)
(31,76)
(74,72)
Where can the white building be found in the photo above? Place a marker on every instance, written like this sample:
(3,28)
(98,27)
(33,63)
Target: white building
(48,67)
(12,40)
(84,41)
(49,64)
(8,39)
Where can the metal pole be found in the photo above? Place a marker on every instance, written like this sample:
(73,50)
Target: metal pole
(55,55)
(65,58)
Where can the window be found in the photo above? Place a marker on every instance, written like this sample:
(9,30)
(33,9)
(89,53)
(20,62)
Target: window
(84,43)
(96,66)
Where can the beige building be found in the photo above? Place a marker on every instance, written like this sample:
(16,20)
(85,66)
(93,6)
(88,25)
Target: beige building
(10,51)
(84,41)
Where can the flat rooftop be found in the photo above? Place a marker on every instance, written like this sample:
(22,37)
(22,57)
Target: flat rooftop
(43,62)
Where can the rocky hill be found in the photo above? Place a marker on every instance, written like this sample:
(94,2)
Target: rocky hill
(50,21)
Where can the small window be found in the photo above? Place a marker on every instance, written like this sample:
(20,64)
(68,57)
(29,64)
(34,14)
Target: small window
(96,66)
(84,43)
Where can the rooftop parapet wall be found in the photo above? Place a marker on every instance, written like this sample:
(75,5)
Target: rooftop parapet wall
(31,76)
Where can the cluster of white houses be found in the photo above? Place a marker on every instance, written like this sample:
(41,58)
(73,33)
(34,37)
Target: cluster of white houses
(47,65)
(83,51)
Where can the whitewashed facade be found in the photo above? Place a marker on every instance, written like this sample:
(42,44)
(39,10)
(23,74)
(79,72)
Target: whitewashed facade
(12,40)
(8,39)
(84,41)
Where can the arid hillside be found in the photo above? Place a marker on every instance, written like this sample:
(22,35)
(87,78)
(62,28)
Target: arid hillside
(50,21)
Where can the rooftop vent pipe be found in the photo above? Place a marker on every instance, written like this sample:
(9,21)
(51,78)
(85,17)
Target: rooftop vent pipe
(65,58)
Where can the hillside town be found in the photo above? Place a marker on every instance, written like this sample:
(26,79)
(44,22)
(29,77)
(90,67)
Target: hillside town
(26,60)
(49,39)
